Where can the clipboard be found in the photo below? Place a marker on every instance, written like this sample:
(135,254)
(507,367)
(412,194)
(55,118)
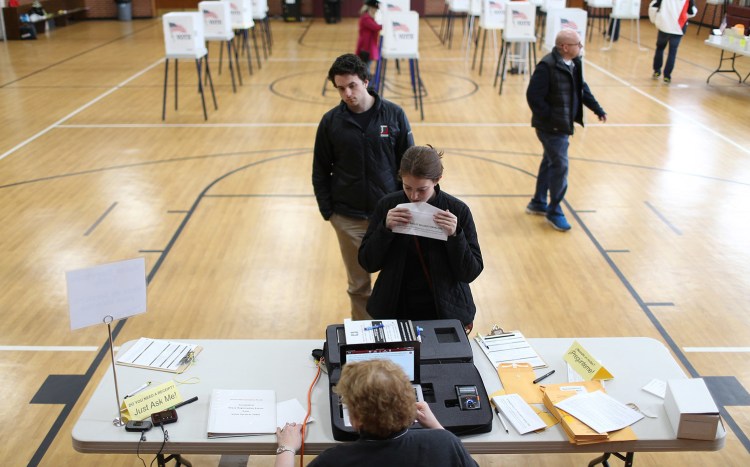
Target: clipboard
(502,347)
(160,355)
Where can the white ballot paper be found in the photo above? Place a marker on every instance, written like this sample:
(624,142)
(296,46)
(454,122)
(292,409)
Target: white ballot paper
(422,222)
(600,411)
(656,387)
(291,411)
(519,413)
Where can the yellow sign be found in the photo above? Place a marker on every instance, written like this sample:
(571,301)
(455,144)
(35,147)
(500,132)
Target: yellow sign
(585,364)
(145,403)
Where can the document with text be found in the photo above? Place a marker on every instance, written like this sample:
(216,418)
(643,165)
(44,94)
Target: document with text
(519,413)
(241,412)
(422,222)
(600,411)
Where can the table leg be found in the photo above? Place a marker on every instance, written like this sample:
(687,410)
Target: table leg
(161,460)
(604,459)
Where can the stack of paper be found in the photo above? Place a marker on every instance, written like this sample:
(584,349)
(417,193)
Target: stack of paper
(241,412)
(509,347)
(609,426)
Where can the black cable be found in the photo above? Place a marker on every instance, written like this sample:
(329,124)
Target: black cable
(166,437)
(138,449)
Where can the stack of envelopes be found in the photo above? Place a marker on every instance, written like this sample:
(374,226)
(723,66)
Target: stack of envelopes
(577,431)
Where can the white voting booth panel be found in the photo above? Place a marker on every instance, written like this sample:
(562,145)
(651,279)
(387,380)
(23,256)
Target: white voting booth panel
(519,21)
(260,7)
(549,5)
(391,6)
(217,20)
(475,7)
(459,6)
(564,18)
(184,35)
(401,35)
(242,13)
(493,14)
(626,9)
(599,3)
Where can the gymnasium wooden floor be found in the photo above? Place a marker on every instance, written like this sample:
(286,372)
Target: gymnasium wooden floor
(224,215)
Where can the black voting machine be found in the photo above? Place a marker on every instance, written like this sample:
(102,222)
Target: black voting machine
(446,370)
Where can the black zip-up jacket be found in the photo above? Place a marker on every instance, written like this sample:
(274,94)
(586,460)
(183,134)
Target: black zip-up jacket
(557,95)
(452,263)
(353,167)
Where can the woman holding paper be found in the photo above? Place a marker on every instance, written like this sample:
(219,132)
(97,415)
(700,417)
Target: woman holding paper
(381,405)
(424,272)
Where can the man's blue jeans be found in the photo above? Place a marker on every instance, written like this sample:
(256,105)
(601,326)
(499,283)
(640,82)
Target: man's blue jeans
(553,171)
(662,39)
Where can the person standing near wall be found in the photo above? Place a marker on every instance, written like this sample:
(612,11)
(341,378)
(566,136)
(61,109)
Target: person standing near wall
(670,17)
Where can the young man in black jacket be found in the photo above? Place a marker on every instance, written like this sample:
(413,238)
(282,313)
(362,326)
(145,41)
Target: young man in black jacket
(358,149)
(556,95)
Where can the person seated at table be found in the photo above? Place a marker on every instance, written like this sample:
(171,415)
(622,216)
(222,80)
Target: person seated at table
(422,278)
(382,407)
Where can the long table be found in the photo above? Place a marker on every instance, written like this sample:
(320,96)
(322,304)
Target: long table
(287,367)
(734,49)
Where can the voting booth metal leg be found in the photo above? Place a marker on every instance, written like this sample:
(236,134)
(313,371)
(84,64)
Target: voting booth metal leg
(443,22)
(255,43)
(164,96)
(603,459)
(499,61)
(615,25)
(200,86)
(161,461)
(246,47)
(118,420)
(419,88)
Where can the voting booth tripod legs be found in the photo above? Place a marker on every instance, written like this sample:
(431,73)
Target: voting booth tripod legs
(161,460)
(603,459)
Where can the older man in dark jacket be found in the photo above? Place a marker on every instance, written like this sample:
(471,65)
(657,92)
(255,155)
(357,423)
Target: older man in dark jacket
(358,149)
(556,95)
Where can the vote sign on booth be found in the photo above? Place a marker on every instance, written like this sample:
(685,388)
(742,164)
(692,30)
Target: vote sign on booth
(183,34)
(565,18)
(493,14)
(241,12)
(216,20)
(401,35)
(519,20)
(626,9)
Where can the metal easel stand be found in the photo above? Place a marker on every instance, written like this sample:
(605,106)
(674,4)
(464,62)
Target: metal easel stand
(627,458)
(108,321)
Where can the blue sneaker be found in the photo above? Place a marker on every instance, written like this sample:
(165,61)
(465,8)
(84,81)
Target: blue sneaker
(558,222)
(536,209)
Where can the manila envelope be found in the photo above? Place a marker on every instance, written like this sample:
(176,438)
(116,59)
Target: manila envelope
(518,378)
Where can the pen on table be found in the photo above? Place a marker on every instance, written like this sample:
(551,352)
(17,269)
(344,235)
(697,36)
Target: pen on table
(479,339)
(501,420)
(192,399)
(141,388)
(374,327)
(542,377)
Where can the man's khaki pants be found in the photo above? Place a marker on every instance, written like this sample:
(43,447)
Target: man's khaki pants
(350,232)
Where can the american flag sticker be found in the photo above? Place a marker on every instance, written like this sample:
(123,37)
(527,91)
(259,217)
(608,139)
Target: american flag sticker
(568,24)
(400,27)
(519,15)
(210,15)
(384,133)
(175,28)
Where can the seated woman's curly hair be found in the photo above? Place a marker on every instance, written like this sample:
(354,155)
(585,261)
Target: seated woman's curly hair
(379,395)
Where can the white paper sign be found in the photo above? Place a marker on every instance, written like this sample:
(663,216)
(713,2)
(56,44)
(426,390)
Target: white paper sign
(116,289)
(422,221)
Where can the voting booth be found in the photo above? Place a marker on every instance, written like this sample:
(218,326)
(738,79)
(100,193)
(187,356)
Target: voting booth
(492,18)
(626,9)
(446,375)
(598,9)
(242,23)
(565,18)
(519,32)
(217,21)
(401,41)
(546,7)
(184,38)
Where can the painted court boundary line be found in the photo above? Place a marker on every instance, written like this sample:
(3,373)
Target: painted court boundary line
(78,110)
(315,125)
(670,108)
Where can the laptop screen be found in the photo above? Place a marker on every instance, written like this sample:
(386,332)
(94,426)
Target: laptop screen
(403,354)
